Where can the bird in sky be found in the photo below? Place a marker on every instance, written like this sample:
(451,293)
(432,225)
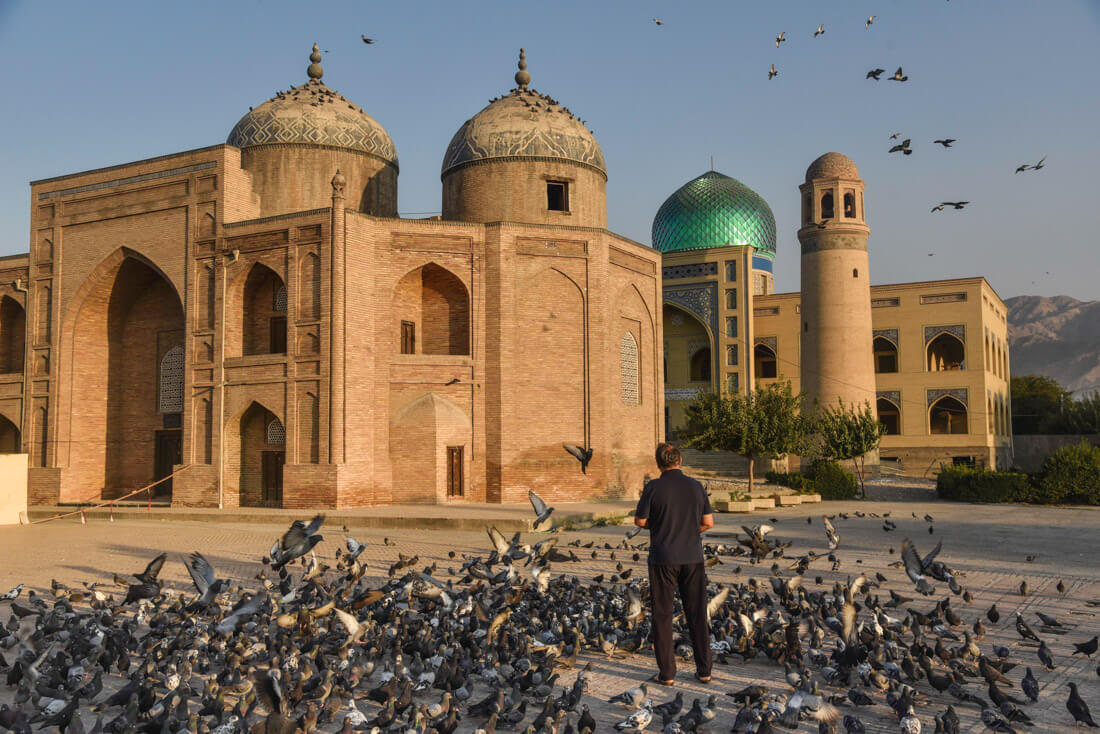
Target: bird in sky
(875,74)
(945,142)
(366,40)
(870,20)
(772,73)
(895,136)
(899,77)
(902,147)
(820,30)
(1039,165)
(658,22)
(937,208)
(1022,168)
(781,38)
(954,204)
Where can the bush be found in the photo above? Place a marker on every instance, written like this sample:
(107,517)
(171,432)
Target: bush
(1070,475)
(833,482)
(964,484)
(794,481)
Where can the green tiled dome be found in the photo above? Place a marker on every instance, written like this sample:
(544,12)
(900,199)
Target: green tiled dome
(714,210)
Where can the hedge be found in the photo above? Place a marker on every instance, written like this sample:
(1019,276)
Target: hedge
(827,478)
(963,484)
(1070,475)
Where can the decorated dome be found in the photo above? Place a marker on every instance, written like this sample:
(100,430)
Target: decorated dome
(832,165)
(313,114)
(524,124)
(714,210)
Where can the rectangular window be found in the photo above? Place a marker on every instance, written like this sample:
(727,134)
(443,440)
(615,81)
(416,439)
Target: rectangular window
(278,335)
(408,337)
(731,271)
(886,362)
(557,196)
(885,302)
(733,383)
(731,298)
(455,484)
(731,327)
(731,356)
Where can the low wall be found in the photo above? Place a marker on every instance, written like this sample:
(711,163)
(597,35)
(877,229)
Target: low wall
(1031,450)
(13,487)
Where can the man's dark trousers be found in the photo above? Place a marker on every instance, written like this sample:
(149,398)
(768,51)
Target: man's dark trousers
(691,582)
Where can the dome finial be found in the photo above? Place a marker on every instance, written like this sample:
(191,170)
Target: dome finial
(314,70)
(523,78)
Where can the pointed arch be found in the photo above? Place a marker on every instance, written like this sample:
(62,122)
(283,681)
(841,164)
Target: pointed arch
(945,352)
(765,365)
(13,332)
(431,308)
(255,323)
(947,416)
(886,355)
(889,415)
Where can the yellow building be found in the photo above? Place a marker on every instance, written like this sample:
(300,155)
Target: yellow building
(940,348)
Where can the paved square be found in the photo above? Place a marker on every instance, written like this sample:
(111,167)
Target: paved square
(988,545)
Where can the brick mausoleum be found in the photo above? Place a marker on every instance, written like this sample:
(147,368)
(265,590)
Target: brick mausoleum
(255,316)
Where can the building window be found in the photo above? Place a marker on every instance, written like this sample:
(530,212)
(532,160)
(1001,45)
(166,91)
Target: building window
(700,365)
(731,327)
(807,208)
(277,330)
(628,369)
(170,394)
(760,285)
(731,271)
(764,362)
(827,205)
(275,434)
(886,356)
(408,337)
(889,416)
(849,205)
(947,416)
(733,382)
(731,355)
(731,298)
(456,485)
(557,196)
(946,353)
(278,301)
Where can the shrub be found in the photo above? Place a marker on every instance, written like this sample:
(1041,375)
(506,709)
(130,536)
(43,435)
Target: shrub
(833,482)
(964,484)
(1071,475)
(794,480)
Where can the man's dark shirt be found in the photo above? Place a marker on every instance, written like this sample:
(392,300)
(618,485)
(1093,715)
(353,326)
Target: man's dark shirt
(673,505)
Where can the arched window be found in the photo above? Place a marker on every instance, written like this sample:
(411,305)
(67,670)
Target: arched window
(170,392)
(827,205)
(947,416)
(13,330)
(889,416)
(274,433)
(264,329)
(10,440)
(432,313)
(946,353)
(850,204)
(807,208)
(990,365)
(992,417)
(886,356)
(764,363)
(700,365)
(628,369)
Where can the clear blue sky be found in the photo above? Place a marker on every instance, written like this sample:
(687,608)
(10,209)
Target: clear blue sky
(96,84)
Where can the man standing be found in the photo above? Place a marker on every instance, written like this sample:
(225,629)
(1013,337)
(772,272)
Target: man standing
(676,510)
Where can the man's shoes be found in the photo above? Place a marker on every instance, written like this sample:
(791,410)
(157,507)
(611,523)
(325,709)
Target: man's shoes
(704,679)
(661,681)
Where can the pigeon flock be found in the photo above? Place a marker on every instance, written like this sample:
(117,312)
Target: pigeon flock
(507,639)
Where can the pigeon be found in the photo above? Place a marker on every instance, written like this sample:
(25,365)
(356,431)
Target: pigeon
(633,698)
(909,723)
(202,574)
(945,142)
(898,77)
(1024,630)
(1086,648)
(1078,709)
(870,20)
(830,533)
(1030,686)
(637,721)
(875,74)
(582,455)
(915,567)
(366,40)
(820,30)
(296,542)
(149,575)
(781,38)
(12,594)
(658,22)
(542,512)
(772,73)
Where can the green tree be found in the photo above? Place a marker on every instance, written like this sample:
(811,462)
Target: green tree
(849,433)
(764,424)
(1037,403)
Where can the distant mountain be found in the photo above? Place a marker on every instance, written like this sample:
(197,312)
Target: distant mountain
(1058,337)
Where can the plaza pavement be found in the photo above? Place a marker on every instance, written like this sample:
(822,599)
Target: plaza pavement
(989,544)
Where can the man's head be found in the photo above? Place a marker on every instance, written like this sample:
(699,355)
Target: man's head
(668,457)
